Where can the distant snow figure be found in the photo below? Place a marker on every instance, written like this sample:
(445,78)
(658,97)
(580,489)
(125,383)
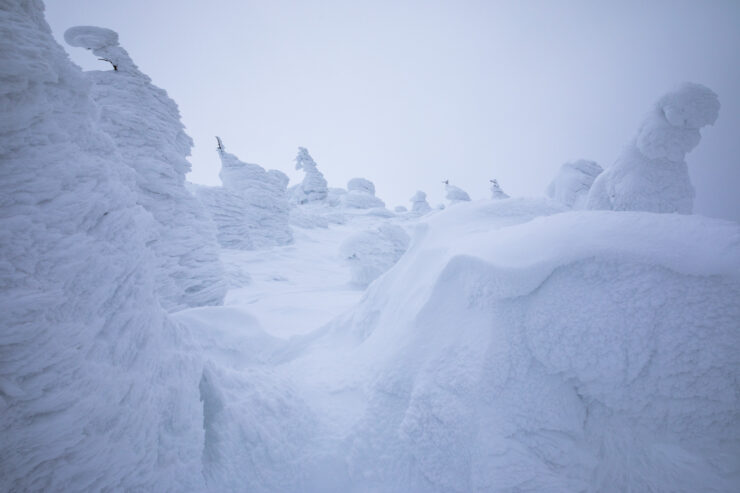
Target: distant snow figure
(455,194)
(361,195)
(371,253)
(573,182)
(651,174)
(314,186)
(251,209)
(400,209)
(496,191)
(419,204)
(145,125)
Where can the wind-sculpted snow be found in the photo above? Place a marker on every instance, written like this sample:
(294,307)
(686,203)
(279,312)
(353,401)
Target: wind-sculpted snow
(497,193)
(455,194)
(95,392)
(582,351)
(361,195)
(370,253)
(573,182)
(145,126)
(651,174)
(419,204)
(251,209)
(313,188)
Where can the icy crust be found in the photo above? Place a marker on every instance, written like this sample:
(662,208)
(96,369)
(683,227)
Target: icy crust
(583,351)
(95,392)
(573,182)
(371,253)
(651,174)
(145,125)
(251,209)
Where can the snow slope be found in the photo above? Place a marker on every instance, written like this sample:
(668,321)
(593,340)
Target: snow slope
(97,392)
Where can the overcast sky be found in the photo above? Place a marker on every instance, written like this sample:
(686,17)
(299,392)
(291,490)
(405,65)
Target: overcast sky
(409,93)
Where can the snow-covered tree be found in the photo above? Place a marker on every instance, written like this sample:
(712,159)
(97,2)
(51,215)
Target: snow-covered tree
(145,125)
(371,253)
(251,209)
(314,186)
(361,195)
(573,182)
(651,174)
(496,192)
(419,203)
(455,194)
(94,392)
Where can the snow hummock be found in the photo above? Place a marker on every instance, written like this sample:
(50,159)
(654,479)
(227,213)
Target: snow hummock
(313,187)
(572,183)
(371,253)
(97,392)
(419,204)
(251,208)
(651,174)
(496,192)
(361,195)
(144,123)
(455,194)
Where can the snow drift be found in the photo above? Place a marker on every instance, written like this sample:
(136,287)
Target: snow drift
(586,351)
(95,393)
(371,253)
(251,209)
(145,126)
(651,174)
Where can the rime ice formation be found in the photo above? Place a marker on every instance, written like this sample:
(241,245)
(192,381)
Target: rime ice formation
(361,195)
(371,253)
(95,393)
(419,204)
(455,194)
(651,174)
(251,209)
(496,192)
(573,182)
(313,188)
(590,351)
(145,125)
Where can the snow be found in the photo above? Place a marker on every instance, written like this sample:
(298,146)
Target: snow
(573,182)
(498,345)
(651,174)
(145,126)
(496,192)
(313,187)
(455,194)
(251,208)
(97,392)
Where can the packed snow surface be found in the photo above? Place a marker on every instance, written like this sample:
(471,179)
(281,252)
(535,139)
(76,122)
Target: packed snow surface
(500,345)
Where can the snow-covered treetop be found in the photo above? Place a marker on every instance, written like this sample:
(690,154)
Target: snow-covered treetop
(496,191)
(304,160)
(455,194)
(361,185)
(419,196)
(671,129)
(102,42)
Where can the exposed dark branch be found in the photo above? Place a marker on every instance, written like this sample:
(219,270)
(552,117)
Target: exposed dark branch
(115,67)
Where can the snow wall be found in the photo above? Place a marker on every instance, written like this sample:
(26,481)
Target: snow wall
(95,394)
(145,126)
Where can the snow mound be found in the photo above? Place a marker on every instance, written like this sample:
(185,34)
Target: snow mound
(572,183)
(313,188)
(455,194)
(145,125)
(251,209)
(419,204)
(371,253)
(361,185)
(95,391)
(361,195)
(582,351)
(651,174)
